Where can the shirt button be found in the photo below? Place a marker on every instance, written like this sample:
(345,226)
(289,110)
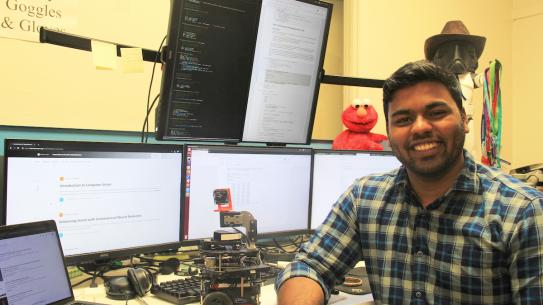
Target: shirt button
(420,253)
(418,294)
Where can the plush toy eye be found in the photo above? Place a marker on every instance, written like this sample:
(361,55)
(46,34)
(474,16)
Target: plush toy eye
(357,103)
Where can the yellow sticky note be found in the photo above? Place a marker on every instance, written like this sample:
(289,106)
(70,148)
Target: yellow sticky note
(131,60)
(104,55)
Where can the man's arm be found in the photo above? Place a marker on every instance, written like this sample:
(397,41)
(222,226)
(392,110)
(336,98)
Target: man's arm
(300,291)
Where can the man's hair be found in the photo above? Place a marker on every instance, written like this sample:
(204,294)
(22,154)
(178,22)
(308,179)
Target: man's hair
(416,72)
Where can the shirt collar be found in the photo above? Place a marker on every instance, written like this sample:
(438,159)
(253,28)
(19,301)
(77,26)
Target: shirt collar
(467,180)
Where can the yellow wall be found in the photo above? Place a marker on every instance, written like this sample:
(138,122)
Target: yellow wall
(380,36)
(527,102)
(329,107)
(51,86)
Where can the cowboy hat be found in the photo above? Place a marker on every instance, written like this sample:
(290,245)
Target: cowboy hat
(454,30)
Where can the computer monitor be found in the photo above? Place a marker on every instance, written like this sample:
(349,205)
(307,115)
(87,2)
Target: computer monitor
(335,170)
(273,184)
(207,69)
(109,200)
(287,69)
(242,70)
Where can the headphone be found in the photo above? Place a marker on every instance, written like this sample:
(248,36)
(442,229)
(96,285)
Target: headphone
(136,283)
(169,266)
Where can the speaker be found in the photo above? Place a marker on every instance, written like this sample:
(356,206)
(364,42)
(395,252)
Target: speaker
(137,282)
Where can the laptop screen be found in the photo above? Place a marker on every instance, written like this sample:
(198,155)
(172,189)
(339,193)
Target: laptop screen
(32,266)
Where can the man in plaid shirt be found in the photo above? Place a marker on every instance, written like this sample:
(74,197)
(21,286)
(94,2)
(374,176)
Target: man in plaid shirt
(441,229)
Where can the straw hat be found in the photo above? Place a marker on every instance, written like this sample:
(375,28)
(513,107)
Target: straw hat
(454,30)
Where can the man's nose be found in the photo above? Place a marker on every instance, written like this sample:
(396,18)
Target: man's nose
(421,125)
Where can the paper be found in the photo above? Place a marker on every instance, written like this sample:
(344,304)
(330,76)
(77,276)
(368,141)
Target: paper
(131,60)
(104,55)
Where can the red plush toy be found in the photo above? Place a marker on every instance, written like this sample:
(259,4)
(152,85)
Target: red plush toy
(359,118)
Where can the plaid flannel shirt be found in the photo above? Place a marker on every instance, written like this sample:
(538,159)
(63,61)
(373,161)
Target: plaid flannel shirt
(480,243)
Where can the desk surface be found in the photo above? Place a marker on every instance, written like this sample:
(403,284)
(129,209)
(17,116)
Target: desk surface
(267,297)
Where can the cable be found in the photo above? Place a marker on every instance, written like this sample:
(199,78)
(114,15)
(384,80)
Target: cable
(283,249)
(147,116)
(81,282)
(148,109)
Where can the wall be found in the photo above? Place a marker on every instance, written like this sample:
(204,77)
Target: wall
(329,106)
(58,87)
(381,36)
(46,85)
(527,99)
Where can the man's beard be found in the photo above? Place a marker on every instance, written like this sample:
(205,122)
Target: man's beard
(447,158)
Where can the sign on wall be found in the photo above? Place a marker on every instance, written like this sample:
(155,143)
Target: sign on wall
(22,19)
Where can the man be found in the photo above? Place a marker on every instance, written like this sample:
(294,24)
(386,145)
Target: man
(439,230)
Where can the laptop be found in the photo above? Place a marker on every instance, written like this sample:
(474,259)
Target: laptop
(32,267)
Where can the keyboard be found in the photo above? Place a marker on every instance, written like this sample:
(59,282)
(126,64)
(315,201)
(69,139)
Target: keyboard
(187,290)
(182,291)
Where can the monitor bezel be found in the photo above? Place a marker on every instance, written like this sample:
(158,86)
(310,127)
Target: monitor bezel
(112,254)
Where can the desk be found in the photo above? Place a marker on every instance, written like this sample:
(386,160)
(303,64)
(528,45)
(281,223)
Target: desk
(267,296)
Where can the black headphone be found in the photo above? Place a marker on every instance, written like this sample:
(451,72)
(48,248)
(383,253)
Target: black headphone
(137,282)
(169,266)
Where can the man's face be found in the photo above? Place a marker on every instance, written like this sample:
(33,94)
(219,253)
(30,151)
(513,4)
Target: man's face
(426,129)
(457,57)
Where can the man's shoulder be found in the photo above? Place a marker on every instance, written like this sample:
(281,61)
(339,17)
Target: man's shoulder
(494,180)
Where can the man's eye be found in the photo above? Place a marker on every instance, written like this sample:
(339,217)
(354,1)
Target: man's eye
(402,121)
(437,113)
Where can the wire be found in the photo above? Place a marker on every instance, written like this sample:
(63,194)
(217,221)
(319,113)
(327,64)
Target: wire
(82,281)
(242,235)
(281,247)
(147,116)
(148,109)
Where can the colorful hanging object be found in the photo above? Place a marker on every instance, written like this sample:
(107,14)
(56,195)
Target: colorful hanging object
(491,123)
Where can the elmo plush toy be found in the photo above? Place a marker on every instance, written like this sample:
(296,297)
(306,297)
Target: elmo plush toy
(359,118)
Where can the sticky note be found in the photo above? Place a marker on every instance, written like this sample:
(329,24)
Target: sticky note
(131,60)
(104,55)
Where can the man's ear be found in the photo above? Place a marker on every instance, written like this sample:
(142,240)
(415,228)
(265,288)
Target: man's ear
(464,120)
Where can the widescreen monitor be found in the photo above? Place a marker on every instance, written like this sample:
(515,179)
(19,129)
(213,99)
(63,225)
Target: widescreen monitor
(109,200)
(273,184)
(335,170)
(242,70)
